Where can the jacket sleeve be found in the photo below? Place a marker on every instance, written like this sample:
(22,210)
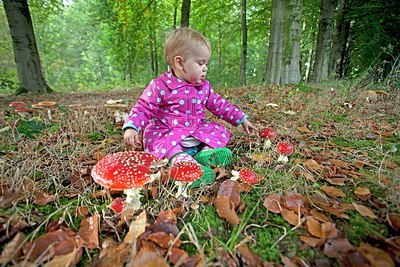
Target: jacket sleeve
(224,109)
(144,110)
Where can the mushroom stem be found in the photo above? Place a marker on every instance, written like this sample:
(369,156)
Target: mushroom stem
(235,175)
(133,198)
(283,158)
(182,189)
(267,144)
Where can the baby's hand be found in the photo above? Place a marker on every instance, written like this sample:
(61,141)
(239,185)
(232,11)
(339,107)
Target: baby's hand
(131,138)
(248,127)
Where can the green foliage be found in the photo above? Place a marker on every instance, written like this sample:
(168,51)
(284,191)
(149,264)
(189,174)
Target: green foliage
(31,128)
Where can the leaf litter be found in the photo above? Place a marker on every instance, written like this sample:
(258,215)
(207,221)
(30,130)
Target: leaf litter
(344,166)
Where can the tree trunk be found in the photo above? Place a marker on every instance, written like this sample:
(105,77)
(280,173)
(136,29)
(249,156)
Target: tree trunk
(175,13)
(244,43)
(26,54)
(340,42)
(324,39)
(185,13)
(274,61)
(291,45)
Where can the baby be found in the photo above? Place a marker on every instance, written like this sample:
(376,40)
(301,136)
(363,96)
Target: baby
(171,111)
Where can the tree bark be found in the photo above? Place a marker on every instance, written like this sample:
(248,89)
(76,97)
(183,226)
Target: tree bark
(340,42)
(244,43)
(283,63)
(274,61)
(291,47)
(26,54)
(324,39)
(185,13)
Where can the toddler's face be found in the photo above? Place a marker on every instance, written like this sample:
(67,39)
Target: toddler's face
(195,64)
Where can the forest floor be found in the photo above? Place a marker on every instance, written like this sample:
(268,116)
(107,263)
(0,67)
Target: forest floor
(334,203)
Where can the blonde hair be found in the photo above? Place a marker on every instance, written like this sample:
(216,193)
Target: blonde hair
(180,41)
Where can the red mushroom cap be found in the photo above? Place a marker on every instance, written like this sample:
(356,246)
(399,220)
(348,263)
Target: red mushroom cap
(124,170)
(17,104)
(267,133)
(185,171)
(285,148)
(248,176)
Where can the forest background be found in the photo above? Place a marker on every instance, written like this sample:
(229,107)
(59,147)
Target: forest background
(95,44)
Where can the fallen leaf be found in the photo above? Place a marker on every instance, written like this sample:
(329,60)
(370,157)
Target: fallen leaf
(335,248)
(365,211)
(303,129)
(67,260)
(328,230)
(166,216)
(177,255)
(271,202)
(339,163)
(226,209)
(376,256)
(290,216)
(164,240)
(333,192)
(394,221)
(89,232)
(320,216)
(136,228)
(312,241)
(230,189)
(314,227)
(13,249)
(362,193)
(248,257)
(294,200)
(312,165)
(147,258)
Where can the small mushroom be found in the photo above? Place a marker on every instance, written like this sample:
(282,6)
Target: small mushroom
(184,173)
(118,108)
(247,175)
(118,204)
(267,134)
(127,171)
(17,104)
(285,149)
(48,105)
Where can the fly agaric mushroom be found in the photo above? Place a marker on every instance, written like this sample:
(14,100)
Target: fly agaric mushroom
(285,149)
(247,175)
(118,204)
(127,171)
(17,104)
(48,105)
(184,173)
(267,134)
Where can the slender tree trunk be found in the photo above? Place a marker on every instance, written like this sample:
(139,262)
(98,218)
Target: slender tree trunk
(185,13)
(26,54)
(291,47)
(340,42)
(244,43)
(274,61)
(324,39)
(175,13)
(308,69)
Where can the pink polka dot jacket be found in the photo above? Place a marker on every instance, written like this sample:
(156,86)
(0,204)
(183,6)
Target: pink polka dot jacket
(170,109)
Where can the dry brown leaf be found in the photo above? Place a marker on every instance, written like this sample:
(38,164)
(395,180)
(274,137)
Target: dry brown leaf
(166,216)
(177,255)
(309,176)
(312,165)
(42,198)
(376,256)
(335,248)
(338,181)
(394,221)
(303,129)
(328,230)
(362,193)
(287,262)
(320,216)
(365,211)
(261,157)
(136,228)
(290,216)
(67,260)
(82,211)
(248,257)
(314,227)
(294,200)
(272,203)
(13,249)
(89,232)
(9,198)
(164,240)
(389,164)
(312,241)
(339,163)
(332,191)
(226,209)
(147,258)
(230,189)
